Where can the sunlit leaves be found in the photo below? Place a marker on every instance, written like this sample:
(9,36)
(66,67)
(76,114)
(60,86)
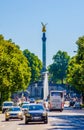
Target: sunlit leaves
(58,69)
(75,73)
(35,65)
(15,73)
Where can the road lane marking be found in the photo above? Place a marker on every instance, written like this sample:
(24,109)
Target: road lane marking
(2,125)
(18,128)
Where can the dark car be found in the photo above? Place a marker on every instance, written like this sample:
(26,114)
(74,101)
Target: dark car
(36,113)
(32,100)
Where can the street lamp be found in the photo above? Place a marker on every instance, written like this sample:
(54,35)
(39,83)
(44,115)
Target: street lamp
(36,90)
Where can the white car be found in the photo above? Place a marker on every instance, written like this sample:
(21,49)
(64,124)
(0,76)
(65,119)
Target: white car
(25,108)
(6,105)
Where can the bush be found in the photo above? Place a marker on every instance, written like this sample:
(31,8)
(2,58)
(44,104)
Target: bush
(82,105)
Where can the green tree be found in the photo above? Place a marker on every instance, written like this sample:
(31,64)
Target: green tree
(75,73)
(58,69)
(15,73)
(35,65)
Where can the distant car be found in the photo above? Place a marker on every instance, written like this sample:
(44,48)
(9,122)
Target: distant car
(25,107)
(32,100)
(24,103)
(36,113)
(77,105)
(66,104)
(6,105)
(14,113)
(72,103)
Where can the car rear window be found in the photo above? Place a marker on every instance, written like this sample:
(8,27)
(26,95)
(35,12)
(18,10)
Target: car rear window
(35,107)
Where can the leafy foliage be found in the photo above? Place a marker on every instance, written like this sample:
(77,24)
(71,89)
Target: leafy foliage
(58,69)
(35,65)
(75,73)
(14,70)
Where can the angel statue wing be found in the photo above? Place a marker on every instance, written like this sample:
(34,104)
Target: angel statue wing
(43,27)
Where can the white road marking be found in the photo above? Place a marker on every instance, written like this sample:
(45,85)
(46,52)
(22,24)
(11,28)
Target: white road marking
(2,125)
(18,128)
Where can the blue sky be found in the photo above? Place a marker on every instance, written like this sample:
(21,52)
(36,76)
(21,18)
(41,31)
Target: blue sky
(21,20)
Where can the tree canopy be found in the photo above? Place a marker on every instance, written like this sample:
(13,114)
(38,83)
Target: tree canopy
(58,69)
(15,72)
(35,65)
(75,73)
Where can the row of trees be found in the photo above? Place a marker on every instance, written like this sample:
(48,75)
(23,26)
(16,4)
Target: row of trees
(69,70)
(20,68)
(75,72)
(17,69)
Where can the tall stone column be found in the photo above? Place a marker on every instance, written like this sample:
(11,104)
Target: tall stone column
(44,52)
(44,71)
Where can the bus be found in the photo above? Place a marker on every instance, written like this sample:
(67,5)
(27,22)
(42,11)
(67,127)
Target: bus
(56,101)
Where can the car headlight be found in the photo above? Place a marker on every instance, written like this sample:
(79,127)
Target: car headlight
(19,113)
(44,113)
(7,114)
(27,114)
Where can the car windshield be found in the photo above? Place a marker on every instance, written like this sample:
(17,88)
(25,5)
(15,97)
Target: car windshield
(14,109)
(8,104)
(25,106)
(36,107)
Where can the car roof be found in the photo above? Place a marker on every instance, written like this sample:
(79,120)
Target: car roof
(8,102)
(35,104)
(16,107)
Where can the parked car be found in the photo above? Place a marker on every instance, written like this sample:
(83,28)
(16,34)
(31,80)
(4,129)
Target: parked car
(36,113)
(6,105)
(77,105)
(14,113)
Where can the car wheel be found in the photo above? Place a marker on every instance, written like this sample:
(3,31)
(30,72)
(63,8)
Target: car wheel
(61,110)
(6,119)
(46,121)
(3,111)
(21,118)
(26,121)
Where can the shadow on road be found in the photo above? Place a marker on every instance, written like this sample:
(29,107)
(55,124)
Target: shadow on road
(64,122)
(31,123)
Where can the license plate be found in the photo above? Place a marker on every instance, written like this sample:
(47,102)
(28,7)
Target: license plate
(36,118)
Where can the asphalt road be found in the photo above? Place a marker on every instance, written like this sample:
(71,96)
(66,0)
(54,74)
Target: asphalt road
(69,119)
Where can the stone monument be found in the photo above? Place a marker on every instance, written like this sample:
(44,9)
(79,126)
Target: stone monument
(44,70)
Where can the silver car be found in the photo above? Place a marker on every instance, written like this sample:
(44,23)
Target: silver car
(14,113)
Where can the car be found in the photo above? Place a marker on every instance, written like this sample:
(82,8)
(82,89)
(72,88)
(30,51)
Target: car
(66,104)
(32,100)
(36,113)
(6,105)
(77,105)
(14,112)
(72,103)
(24,103)
(25,107)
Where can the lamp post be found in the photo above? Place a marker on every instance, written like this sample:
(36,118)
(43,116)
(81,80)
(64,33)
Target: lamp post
(36,90)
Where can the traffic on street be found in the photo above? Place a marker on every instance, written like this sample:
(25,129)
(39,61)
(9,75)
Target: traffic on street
(68,119)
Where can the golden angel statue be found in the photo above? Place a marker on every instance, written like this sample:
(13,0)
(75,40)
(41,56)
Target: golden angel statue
(43,27)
